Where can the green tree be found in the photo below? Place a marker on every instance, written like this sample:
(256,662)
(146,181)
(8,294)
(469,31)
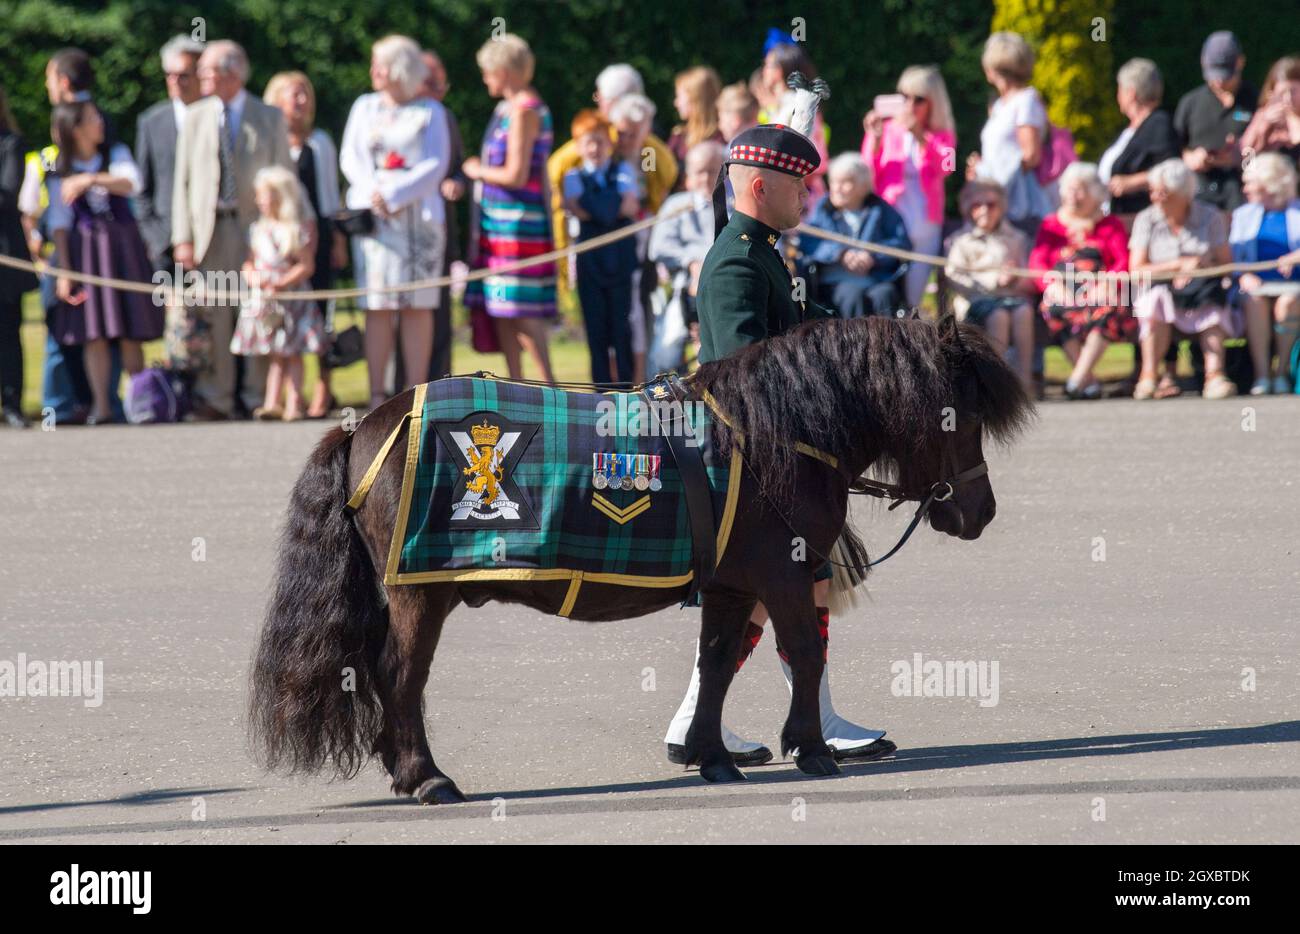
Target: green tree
(1075,68)
(859,48)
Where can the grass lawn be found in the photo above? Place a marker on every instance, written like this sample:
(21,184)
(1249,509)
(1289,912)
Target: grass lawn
(568,358)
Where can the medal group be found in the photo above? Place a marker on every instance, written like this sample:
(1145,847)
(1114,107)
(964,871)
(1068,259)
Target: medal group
(626,471)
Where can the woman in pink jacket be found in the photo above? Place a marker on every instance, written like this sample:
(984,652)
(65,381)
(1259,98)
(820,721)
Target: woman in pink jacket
(912,150)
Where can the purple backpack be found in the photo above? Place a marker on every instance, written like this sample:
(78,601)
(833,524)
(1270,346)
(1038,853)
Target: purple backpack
(155,396)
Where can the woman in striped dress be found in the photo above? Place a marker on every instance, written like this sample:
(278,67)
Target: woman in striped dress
(512,200)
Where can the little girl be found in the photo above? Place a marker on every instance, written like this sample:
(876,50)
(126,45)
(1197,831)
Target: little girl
(282,251)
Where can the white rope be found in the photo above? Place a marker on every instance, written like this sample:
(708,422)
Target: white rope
(1206,273)
(595,243)
(125,285)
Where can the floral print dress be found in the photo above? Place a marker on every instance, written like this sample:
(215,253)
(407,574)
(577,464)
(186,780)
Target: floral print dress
(270,325)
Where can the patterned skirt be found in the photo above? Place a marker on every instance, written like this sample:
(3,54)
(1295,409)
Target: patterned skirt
(1158,306)
(284,328)
(1078,315)
(101,245)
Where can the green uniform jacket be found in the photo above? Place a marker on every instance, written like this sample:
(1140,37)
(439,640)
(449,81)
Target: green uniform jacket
(745,291)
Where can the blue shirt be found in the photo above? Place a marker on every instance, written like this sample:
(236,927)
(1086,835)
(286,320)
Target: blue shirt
(1272,243)
(624,179)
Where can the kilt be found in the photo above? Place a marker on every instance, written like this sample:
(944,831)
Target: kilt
(507,481)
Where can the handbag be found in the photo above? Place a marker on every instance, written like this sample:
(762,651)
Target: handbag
(483,333)
(1057,153)
(1026,198)
(355,222)
(346,348)
(1198,293)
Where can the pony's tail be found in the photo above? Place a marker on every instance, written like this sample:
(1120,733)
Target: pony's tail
(313,698)
(848,572)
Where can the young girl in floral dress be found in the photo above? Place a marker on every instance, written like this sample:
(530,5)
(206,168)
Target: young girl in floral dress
(281,258)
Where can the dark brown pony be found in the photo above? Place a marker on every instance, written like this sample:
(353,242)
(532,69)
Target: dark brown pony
(343,660)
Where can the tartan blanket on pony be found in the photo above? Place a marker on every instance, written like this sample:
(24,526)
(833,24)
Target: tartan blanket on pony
(510,481)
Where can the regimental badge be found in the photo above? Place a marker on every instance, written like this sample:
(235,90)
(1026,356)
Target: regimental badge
(771,240)
(487,447)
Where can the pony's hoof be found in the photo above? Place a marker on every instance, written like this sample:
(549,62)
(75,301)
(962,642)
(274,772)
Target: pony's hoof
(439,791)
(817,765)
(721,773)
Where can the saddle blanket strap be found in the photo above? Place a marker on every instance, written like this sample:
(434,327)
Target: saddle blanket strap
(368,480)
(695,485)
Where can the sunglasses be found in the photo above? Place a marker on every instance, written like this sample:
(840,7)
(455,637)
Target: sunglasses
(985,204)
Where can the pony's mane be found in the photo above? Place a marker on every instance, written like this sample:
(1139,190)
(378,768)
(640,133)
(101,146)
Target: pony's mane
(852,386)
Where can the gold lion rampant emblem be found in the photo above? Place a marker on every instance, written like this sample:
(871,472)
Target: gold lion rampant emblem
(484,463)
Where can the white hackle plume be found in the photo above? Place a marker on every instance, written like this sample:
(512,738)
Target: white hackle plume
(800,105)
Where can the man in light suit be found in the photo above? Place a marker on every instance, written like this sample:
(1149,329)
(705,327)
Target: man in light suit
(155,146)
(226,139)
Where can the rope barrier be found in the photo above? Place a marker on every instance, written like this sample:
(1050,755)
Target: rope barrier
(1207,272)
(595,243)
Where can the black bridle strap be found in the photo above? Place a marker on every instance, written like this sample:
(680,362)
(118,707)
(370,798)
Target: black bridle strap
(868,487)
(876,488)
(923,508)
(890,491)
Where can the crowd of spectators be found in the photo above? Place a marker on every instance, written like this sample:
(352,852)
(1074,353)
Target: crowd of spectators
(221,179)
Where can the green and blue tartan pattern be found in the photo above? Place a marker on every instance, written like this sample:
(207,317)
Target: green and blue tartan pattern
(554,474)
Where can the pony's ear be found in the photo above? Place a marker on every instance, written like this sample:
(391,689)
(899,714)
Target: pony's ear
(949,332)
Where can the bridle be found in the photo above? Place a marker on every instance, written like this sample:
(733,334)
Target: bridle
(940,492)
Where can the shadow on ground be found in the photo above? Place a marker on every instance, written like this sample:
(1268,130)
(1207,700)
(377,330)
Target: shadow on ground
(562,801)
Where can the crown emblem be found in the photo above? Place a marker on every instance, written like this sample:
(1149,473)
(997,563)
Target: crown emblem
(485,434)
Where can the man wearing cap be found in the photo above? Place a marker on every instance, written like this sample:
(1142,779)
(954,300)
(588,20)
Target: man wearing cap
(1210,120)
(746,294)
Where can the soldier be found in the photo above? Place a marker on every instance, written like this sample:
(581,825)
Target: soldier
(746,295)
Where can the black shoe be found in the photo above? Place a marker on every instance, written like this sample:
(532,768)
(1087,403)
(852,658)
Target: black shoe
(760,756)
(15,419)
(877,750)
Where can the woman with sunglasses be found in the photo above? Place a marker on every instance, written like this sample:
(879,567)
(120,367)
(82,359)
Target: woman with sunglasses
(984,290)
(912,151)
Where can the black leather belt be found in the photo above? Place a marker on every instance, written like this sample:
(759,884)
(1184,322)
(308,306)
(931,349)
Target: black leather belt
(695,479)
